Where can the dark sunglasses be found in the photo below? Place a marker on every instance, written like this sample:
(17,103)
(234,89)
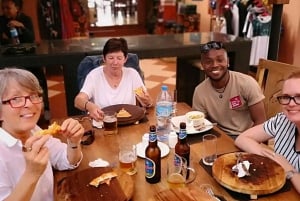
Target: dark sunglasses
(211,45)
(88,137)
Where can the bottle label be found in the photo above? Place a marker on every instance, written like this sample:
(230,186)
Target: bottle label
(177,160)
(152,137)
(149,168)
(13,33)
(164,109)
(182,134)
(178,163)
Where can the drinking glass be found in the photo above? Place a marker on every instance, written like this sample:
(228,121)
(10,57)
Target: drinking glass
(110,123)
(178,173)
(209,149)
(127,158)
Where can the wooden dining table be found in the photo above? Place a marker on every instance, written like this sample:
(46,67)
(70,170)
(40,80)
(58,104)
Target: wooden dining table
(106,147)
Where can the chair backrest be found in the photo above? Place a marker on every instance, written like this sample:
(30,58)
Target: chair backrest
(91,62)
(270,76)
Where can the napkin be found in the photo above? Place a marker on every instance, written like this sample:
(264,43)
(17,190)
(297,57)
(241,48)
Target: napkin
(98,163)
(241,171)
(97,124)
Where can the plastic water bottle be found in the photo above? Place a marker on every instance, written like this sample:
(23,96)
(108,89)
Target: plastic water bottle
(14,36)
(164,107)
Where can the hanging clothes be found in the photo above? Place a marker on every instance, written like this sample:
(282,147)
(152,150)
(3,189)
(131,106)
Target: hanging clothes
(228,17)
(49,20)
(231,14)
(257,27)
(235,19)
(242,6)
(66,20)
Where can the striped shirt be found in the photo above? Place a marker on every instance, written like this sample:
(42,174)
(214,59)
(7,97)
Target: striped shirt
(284,132)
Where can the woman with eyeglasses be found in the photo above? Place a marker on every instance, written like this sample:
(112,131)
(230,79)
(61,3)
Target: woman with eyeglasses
(284,128)
(26,159)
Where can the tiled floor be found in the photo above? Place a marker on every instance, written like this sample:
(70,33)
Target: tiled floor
(157,72)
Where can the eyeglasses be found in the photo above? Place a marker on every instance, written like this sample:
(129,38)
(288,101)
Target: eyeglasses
(211,45)
(285,99)
(20,101)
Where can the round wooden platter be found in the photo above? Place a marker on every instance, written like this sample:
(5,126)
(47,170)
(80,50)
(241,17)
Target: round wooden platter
(266,175)
(76,186)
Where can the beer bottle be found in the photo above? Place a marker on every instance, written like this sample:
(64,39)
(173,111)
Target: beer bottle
(182,148)
(152,158)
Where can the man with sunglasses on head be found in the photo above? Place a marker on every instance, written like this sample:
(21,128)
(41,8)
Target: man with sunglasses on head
(233,100)
(284,128)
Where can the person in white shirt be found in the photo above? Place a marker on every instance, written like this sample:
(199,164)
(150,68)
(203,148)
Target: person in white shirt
(111,83)
(27,159)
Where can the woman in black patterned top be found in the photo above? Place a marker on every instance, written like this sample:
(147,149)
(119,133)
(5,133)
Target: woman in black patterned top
(284,128)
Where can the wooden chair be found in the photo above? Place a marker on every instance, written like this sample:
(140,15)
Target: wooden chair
(270,76)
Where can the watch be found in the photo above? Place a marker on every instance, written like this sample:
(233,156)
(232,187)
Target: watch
(289,174)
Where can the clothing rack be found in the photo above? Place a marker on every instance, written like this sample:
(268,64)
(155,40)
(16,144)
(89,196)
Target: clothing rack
(277,9)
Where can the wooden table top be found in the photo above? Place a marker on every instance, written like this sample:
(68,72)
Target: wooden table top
(106,147)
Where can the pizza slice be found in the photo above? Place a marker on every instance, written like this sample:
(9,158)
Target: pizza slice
(123,113)
(53,129)
(104,178)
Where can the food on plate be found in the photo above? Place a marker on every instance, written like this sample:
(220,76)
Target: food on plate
(196,119)
(265,175)
(195,115)
(104,178)
(123,113)
(53,129)
(139,91)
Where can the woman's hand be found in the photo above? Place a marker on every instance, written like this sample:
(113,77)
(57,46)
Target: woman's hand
(278,158)
(36,154)
(72,130)
(144,99)
(95,112)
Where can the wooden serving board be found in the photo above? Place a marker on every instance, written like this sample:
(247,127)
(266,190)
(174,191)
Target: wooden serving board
(266,175)
(182,194)
(76,187)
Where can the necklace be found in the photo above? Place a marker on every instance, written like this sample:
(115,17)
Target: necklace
(113,81)
(221,90)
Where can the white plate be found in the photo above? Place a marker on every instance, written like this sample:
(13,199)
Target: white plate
(189,128)
(140,149)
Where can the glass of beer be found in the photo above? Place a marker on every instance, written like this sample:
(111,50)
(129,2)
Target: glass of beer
(127,158)
(177,172)
(110,123)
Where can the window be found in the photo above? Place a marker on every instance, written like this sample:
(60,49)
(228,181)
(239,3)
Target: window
(104,13)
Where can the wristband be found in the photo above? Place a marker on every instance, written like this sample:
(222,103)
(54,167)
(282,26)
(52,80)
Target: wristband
(289,174)
(72,145)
